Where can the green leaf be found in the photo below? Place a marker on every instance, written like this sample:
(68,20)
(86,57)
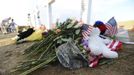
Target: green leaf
(77,31)
(69,26)
(63,39)
(77,26)
(57,38)
(59,41)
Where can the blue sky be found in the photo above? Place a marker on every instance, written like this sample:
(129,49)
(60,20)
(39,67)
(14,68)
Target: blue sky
(101,9)
(121,9)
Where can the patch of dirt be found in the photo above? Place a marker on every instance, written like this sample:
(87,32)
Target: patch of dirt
(12,54)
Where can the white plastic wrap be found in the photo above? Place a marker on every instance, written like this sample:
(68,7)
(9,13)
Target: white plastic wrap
(123,35)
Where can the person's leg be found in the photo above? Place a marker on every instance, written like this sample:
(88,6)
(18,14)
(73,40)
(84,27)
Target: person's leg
(4,30)
(9,30)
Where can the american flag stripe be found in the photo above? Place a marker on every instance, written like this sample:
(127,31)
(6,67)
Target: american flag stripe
(86,32)
(113,45)
(109,27)
(90,29)
(116,30)
(112,30)
(84,35)
(108,45)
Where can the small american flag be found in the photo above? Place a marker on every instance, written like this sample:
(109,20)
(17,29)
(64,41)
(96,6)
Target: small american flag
(86,29)
(111,27)
(115,45)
